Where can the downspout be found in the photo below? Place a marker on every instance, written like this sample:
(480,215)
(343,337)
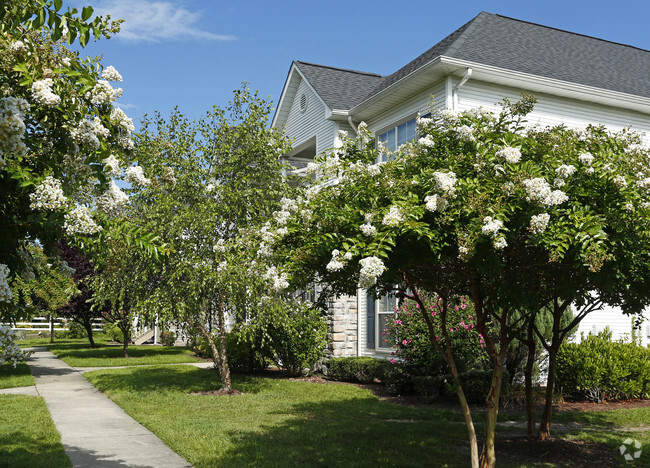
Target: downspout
(354,127)
(458,86)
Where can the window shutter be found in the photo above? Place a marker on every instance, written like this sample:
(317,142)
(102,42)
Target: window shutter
(370,322)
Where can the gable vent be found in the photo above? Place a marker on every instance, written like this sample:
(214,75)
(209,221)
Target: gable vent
(303,102)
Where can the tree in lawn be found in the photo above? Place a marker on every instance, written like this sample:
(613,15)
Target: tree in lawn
(58,128)
(80,308)
(481,207)
(212,182)
(45,287)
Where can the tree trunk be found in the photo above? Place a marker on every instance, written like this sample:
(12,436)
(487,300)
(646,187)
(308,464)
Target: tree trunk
(51,328)
(528,382)
(545,424)
(224,369)
(488,456)
(471,432)
(89,331)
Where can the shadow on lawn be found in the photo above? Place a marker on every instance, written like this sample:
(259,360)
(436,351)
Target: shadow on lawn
(19,450)
(102,351)
(355,432)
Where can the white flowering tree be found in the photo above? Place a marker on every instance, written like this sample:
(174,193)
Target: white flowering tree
(211,182)
(480,206)
(58,127)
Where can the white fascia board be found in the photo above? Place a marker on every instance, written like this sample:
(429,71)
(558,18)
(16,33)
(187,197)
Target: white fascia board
(482,72)
(398,84)
(283,95)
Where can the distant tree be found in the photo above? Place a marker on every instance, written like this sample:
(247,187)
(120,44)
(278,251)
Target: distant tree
(80,308)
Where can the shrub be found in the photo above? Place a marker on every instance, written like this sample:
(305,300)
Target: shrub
(413,343)
(359,369)
(113,332)
(75,330)
(599,369)
(476,385)
(245,353)
(168,338)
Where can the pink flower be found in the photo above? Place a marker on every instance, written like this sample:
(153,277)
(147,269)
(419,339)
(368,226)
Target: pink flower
(392,361)
(404,342)
(462,306)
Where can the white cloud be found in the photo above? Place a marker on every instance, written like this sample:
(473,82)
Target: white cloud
(125,106)
(156,21)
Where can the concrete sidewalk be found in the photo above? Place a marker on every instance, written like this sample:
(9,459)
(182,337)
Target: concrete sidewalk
(95,431)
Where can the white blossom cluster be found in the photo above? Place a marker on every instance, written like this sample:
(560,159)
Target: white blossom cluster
(643,184)
(335,264)
(393,218)
(281,217)
(538,223)
(371,269)
(586,158)
(491,226)
(491,229)
(120,119)
(313,168)
(538,190)
(435,203)
(112,201)
(278,279)
(449,116)
(9,350)
(12,126)
(135,176)
(445,181)
(422,122)
(103,93)
(220,246)
(5,290)
(620,181)
(43,94)
(88,132)
(466,133)
(111,74)
(80,221)
(48,195)
(222,266)
(368,229)
(112,166)
(363,133)
(374,169)
(426,141)
(510,154)
(17,46)
(565,170)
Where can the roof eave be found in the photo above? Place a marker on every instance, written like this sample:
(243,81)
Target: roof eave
(537,83)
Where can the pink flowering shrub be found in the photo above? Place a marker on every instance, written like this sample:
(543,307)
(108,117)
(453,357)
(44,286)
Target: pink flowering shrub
(413,345)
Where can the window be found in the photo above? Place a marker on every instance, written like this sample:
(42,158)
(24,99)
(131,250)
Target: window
(380,312)
(399,135)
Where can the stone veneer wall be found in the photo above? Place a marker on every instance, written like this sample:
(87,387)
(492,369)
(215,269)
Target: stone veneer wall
(342,327)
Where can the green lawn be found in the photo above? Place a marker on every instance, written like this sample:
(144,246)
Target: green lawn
(19,376)
(28,437)
(280,422)
(78,353)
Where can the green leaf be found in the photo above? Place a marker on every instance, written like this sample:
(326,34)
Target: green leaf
(86,13)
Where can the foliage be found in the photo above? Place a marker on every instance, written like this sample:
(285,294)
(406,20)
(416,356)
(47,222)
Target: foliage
(113,333)
(246,351)
(359,369)
(75,330)
(168,338)
(9,350)
(295,332)
(600,369)
(210,182)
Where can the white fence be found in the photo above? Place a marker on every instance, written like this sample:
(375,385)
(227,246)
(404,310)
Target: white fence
(43,324)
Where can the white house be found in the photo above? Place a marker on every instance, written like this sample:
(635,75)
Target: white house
(577,80)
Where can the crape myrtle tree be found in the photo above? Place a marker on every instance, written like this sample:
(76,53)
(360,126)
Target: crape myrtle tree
(213,182)
(58,129)
(479,206)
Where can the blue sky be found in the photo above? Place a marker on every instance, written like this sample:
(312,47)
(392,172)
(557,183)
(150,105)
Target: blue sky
(194,53)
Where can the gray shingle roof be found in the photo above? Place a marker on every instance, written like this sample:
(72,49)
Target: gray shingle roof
(339,88)
(506,43)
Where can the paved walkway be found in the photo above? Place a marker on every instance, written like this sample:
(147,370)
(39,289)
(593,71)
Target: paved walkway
(94,431)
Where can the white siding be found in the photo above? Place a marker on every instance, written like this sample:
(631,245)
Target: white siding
(619,323)
(418,103)
(552,110)
(301,126)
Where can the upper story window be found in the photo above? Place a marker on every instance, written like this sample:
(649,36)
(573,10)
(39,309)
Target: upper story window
(399,135)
